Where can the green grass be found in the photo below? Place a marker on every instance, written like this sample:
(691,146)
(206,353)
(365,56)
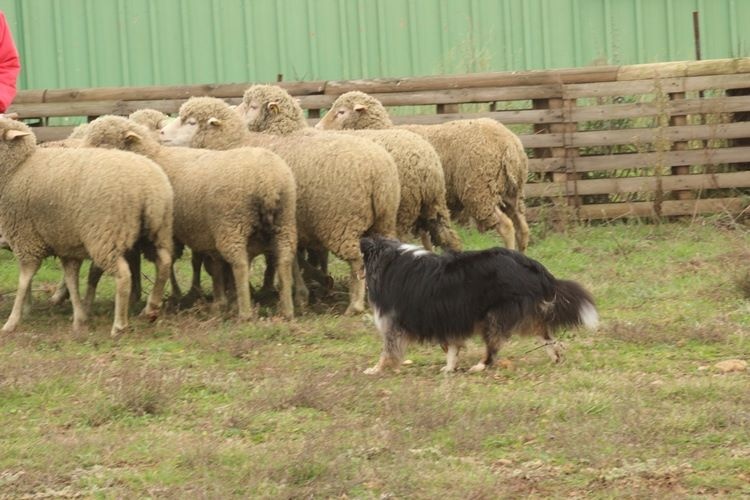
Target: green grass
(199,406)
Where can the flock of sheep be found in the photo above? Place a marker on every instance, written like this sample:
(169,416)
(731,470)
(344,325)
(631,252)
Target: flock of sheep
(233,183)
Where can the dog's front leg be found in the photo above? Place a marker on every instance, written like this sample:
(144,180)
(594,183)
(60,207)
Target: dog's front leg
(451,358)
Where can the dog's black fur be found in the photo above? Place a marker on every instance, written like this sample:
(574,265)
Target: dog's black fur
(421,296)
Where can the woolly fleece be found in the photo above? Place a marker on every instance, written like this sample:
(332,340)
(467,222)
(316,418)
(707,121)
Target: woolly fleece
(347,187)
(228,204)
(271,109)
(80,203)
(485,164)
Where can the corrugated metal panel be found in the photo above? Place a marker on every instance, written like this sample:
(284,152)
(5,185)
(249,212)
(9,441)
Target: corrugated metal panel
(82,43)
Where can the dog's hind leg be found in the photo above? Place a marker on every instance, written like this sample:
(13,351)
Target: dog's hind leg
(493,342)
(555,349)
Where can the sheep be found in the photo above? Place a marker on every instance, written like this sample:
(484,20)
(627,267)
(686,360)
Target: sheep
(485,164)
(80,203)
(347,187)
(152,119)
(270,109)
(230,205)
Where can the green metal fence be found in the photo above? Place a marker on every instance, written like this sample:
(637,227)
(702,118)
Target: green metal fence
(91,43)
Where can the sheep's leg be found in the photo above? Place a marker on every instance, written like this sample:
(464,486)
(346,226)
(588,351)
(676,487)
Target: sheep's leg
(163,266)
(174,285)
(504,227)
(285,255)
(241,273)
(522,227)
(197,260)
(61,293)
(270,272)
(133,256)
(356,287)
(72,269)
(122,296)
(217,274)
(27,303)
(301,293)
(26,273)
(424,236)
(95,274)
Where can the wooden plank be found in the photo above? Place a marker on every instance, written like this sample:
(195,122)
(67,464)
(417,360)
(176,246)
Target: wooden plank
(641,109)
(157,92)
(649,135)
(99,108)
(510,117)
(44,134)
(542,140)
(666,86)
(669,208)
(640,184)
(546,164)
(475,80)
(449,96)
(707,156)
(683,68)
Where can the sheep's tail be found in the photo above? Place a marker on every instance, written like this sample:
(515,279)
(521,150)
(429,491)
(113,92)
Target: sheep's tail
(386,196)
(572,305)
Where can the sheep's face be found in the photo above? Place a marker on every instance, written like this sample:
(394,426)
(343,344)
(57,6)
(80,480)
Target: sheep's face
(342,116)
(250,112)
(16,142)
(179,132)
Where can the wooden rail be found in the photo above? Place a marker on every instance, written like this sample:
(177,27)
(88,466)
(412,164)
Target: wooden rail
(657,139)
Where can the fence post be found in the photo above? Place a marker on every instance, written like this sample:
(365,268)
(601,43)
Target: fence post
(561,178)
(742,116)
(677,121)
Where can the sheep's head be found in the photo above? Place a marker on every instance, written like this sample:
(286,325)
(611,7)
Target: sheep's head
(152,119)
(355,111)
(204,122)
(117,132)
(16,143)
(271,109)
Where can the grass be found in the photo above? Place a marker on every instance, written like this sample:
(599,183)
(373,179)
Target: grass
(199,406)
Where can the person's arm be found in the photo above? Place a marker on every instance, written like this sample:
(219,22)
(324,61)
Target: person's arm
(10,65)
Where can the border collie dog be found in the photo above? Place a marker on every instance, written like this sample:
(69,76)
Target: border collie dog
(420,296)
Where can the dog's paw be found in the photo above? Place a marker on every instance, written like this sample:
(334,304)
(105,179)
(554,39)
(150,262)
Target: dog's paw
(448,369)
(372,371)
(479,367)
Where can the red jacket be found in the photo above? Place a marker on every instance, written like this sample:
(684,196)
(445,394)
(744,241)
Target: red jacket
(10,65)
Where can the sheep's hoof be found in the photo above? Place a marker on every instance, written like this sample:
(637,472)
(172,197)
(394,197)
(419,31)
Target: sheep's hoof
(8,329)
(151,313)
(353,310)
(118,330)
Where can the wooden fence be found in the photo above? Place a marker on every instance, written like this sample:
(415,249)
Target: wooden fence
(605,142)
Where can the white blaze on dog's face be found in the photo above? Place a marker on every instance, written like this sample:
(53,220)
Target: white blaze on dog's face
(179,132)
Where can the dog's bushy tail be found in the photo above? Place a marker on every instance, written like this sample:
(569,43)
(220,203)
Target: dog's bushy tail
(573,305)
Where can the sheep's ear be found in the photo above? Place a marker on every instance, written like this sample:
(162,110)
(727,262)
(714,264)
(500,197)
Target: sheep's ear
(132,137)
(273,106)
(213,121)
(360,107)
(14,134)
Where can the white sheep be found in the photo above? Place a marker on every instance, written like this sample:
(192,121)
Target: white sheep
(485,164)
(347,187)
(230,205)
(422,209)
(80,203)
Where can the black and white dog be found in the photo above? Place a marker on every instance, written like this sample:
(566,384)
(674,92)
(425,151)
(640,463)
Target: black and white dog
(417,295)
